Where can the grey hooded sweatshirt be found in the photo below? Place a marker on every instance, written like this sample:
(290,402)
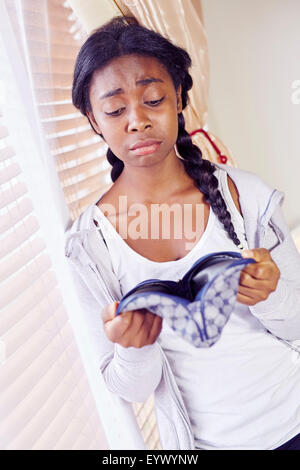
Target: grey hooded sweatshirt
(135,373)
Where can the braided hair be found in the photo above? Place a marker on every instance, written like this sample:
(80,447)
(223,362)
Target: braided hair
(124,36)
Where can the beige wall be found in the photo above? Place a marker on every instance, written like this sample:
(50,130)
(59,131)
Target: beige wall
(254,49)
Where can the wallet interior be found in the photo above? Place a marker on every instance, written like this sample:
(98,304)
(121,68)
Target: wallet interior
(188,287)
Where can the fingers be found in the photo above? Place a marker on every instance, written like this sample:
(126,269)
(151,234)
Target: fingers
(260,271)
(243,299)
(151,328)
(116,328)
(253,294)
(252,290)
(140,332)
(135,328)
(109,311)
(155,329)
(247,280)
(262,277)
(262,268)
(259,254)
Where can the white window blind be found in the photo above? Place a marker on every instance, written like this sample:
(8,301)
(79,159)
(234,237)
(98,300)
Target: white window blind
(45,397)
(48,39)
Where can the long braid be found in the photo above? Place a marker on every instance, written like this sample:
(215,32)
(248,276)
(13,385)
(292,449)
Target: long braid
(201,171)
(117,165)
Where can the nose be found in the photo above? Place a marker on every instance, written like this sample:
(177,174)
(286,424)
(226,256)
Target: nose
(139,120)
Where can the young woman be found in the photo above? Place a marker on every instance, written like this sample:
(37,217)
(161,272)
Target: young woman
(242,393)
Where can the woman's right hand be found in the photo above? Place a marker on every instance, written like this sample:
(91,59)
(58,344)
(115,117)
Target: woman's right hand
(135,328)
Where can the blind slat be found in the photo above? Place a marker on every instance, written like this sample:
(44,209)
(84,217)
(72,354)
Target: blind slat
(6,153)
(57,110)
(28,300)
(51,95)
(25,253)
(80,138)
(17,213)
(47,80)
(24,279)
(53,7)
(92,183)
(61,125)
(59,22)
(81,203)
(43,65)
(61,51)
(20,234)
(79,169)
(60,38)
(74,155)
(9,172)
(31,323)
(9,196)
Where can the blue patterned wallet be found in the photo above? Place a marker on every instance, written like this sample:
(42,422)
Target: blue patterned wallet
(197,306)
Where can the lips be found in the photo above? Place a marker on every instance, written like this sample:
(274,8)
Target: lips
(144,143)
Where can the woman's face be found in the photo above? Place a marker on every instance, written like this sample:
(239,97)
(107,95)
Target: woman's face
(133,99)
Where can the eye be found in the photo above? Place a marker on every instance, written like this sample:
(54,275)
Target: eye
(155,102)
(115,113)
(152,103)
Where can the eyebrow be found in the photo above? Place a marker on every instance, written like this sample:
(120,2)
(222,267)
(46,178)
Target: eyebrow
(142,82)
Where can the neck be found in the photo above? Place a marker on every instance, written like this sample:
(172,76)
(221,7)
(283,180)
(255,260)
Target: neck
(156,183)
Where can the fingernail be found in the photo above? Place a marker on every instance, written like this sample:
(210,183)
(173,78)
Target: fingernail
(247,253)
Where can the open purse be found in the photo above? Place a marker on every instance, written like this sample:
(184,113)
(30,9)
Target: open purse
(197,306)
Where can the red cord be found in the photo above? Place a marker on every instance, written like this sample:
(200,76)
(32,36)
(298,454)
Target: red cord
(223,158)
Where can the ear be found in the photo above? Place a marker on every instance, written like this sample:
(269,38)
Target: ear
(94,123)
(179,99)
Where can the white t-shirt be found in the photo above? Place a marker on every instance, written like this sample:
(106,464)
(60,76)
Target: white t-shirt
(243,392)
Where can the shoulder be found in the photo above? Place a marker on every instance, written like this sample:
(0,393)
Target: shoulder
(76,231)
(239,183)
(241,177)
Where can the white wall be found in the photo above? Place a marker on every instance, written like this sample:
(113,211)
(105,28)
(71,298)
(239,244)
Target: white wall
(254,50)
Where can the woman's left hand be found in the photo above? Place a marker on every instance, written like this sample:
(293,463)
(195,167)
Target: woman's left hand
(259,279)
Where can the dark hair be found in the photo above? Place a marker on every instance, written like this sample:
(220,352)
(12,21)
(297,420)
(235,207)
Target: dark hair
(123,36)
